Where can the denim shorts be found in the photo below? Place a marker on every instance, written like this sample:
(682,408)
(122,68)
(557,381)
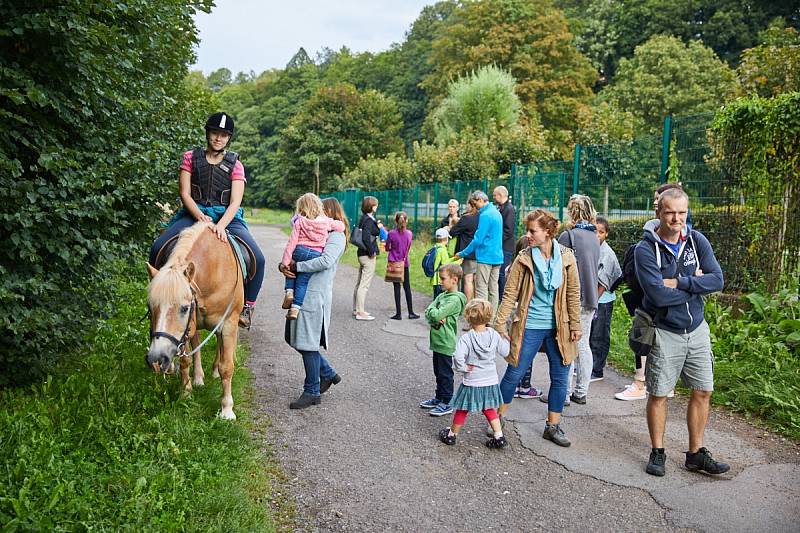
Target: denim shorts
(687,355)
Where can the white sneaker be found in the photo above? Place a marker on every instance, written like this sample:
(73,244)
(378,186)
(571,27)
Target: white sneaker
(631,392)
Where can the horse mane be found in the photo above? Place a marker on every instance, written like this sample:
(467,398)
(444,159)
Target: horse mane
(170,284)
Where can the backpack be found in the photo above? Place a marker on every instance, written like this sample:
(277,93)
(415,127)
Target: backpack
(634,295)
(429,262)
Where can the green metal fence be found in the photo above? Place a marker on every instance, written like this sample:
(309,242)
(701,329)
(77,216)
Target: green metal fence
(754,237)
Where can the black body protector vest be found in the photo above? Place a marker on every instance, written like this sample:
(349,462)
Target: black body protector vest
(211,184)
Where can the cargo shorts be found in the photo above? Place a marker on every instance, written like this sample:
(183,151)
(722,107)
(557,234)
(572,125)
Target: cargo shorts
(687,355)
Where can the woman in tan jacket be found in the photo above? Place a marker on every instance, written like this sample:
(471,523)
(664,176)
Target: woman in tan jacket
(543,286)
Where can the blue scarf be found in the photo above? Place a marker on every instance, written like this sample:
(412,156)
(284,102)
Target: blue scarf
(586,225)
(553,276)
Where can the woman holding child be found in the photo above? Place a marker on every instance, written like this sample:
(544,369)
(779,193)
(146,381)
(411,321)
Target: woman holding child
(543,281)
(309,331)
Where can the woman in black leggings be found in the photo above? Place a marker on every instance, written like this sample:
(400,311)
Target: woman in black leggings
(398,243)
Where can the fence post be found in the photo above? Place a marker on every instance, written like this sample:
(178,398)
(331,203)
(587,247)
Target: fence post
(666,139)
(576,169)
(350,205)
(486,185)
(458,193)
(435,205)
(562,194)
(416,207)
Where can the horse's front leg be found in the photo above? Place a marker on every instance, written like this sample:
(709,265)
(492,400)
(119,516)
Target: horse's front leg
(227,339)
(217,357)
(185,381)
(199,375)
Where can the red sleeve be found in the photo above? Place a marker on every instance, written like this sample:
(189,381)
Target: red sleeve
(238,172)
(186,164)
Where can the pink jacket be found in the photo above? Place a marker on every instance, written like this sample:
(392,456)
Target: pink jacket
(311,234)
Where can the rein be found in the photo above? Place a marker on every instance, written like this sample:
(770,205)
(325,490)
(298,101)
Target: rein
(180,344)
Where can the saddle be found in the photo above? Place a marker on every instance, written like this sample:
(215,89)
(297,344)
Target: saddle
(244,255)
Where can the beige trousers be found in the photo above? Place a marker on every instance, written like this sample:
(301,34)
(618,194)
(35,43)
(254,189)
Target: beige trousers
(486,283)
(366,270)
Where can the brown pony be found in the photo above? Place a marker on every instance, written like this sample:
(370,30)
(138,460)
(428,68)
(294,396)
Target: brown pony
(199,287)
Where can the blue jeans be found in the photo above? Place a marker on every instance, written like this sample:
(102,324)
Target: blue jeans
(559,372)
(252,287)
(600,339)
(300,283)
(501,280)
(316,367)
(443,370)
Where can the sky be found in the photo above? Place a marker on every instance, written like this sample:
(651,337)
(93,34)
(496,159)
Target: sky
(257,35)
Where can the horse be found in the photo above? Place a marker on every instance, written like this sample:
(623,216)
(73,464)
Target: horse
(199,287)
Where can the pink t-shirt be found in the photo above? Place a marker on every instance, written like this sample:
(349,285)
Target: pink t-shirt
(236,175)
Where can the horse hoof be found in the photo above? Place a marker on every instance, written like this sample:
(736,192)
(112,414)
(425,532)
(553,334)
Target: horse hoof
(227,415)
(198,383)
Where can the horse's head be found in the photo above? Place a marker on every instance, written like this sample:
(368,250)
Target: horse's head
(172,304)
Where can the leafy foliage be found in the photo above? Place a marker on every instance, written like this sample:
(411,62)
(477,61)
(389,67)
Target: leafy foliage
(772,67)
(483,102)
(666,76)
(95,109)
(530,40)
(337,126)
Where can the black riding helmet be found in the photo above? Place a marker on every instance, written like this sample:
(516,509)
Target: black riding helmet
(221,122)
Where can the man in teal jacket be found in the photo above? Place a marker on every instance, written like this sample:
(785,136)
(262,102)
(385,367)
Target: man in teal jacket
(488,248)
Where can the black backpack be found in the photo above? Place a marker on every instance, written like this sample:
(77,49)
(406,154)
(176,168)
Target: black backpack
(634,295)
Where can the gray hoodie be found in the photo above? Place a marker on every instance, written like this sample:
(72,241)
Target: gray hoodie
(479,349)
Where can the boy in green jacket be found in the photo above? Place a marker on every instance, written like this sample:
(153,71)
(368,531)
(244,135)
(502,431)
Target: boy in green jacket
(442,258)
(442,316)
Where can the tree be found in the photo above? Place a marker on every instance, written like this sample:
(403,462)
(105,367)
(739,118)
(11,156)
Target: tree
(610,30)
(531,40)
(338,126)
(483,101)
(666,76)
(772,67)
(220,78)
(96,111)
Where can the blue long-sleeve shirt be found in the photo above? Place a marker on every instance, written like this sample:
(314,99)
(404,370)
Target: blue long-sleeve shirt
(488,242)
(679,310)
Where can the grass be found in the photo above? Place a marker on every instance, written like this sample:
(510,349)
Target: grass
(262,215)
(105,444)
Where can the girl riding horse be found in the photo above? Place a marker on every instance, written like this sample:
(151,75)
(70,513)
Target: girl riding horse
(211,184)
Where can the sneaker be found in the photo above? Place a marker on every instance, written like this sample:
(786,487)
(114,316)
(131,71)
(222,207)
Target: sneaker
(580,400)
(441,410)
(496,443)
(444,436)
(631,392)
(595,378)
(413,316)
(530,392)
(364,317)
(246,317)
(656,464)
(429,404)
(543,399)
(702,462)
(288,298)
(397,316)
(555,434)
(325,384)
(292,313)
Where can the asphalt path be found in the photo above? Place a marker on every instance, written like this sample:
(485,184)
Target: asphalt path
(368,458)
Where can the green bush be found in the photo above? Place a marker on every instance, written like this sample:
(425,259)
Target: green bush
(95,113)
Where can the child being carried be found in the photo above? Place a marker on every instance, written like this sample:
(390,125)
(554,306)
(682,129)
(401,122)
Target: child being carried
(310,228)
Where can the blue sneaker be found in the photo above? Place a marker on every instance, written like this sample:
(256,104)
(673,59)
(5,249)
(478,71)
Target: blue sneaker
(441,410)
(429,404)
